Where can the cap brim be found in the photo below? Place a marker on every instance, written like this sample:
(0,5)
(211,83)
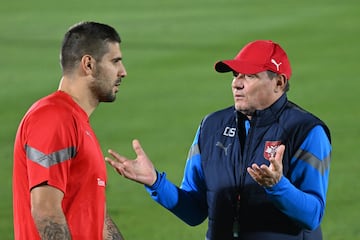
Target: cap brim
(222,67)
(238,66)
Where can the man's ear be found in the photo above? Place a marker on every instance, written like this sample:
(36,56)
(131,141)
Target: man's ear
(280,83)
(87,64)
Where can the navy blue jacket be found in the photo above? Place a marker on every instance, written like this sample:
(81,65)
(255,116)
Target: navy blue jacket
(215,175)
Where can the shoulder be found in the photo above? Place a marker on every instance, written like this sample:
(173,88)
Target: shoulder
(220,115)
(50,110)
(317,138)
(299,122)
(294,114)
(50,123)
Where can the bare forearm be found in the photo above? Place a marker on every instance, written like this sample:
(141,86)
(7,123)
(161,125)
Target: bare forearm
(52,228)
(111,231)
(47,212)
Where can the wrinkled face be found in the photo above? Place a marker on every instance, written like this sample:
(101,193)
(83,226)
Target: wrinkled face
(253,92)
(108,74)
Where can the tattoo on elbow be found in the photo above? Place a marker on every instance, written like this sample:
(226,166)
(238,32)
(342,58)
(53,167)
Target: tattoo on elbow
(113,232)
(49,229)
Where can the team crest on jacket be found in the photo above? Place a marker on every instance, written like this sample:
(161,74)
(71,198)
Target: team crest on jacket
(270,149)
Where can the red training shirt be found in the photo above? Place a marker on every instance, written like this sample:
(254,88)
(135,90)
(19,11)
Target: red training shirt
(56,144)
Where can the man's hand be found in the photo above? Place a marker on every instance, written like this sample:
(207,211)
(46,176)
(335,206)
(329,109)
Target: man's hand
(140,170)
(268,176)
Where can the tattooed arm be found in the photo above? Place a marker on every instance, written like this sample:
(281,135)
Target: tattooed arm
(111,231)
(47,213)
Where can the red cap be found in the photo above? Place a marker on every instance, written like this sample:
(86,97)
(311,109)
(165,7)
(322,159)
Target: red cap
(258,56)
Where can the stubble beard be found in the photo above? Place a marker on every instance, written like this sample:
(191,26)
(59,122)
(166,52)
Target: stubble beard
(99,89)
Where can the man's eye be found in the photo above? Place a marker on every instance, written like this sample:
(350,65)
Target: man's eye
(235,74)
(250,76)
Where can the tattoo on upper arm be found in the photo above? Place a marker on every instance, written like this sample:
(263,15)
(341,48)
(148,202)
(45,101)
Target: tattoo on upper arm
(112,232)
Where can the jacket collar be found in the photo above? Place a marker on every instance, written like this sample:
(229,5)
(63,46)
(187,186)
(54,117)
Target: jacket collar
(268,115)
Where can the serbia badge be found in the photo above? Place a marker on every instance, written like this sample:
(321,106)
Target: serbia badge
(270,149)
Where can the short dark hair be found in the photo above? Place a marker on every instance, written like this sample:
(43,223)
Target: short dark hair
(86,38)
(272,74)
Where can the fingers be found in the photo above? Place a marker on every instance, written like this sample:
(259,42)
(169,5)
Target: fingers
(261,175)
(121,163)
(254,169)
(280,153)
(137,148)
(268,176)
(276,161)
(118,157)
(121,159)
(256,173)
(118,162)
(116,165)
(135,169)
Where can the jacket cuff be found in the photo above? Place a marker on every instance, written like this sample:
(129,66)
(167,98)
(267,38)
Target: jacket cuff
(156,184)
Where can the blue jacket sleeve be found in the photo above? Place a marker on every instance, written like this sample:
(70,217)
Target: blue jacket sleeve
(188,202)
(303,196)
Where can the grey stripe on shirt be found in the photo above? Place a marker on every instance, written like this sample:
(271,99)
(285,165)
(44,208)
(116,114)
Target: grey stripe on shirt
(318,164)
(48,160)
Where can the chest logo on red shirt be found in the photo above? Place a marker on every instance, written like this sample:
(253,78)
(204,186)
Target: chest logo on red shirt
(100,182)
(270,149)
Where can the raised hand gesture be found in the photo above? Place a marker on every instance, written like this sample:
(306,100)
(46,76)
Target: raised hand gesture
(268,176)
(140,170)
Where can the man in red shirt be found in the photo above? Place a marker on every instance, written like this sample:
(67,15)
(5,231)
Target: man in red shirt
(59,174)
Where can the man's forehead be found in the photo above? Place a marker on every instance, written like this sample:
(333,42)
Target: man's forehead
(113,50)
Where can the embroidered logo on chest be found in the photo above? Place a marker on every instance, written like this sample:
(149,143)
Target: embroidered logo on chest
(270,149)
(220,145)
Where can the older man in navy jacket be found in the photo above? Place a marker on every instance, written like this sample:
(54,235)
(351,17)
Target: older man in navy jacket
(258,169)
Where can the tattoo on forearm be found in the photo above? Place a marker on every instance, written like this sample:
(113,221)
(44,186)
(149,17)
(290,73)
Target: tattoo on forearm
(112,232)
(49,229)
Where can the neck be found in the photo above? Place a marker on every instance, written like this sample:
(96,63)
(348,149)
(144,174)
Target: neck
(79,93)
